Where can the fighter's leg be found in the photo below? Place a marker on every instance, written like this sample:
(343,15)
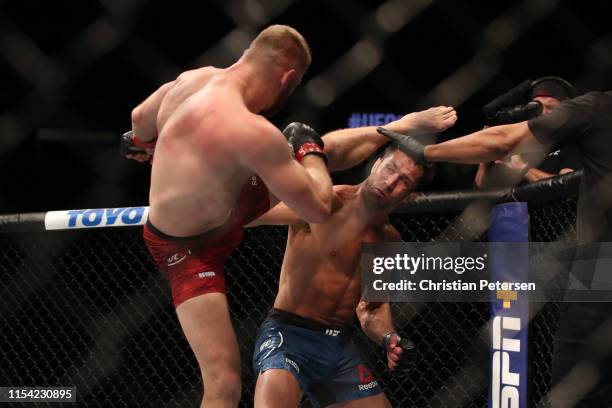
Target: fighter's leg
(206,323)
(352,384)
(277,388)
(375,401)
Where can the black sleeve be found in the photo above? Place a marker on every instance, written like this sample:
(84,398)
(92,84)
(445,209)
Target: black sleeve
(570,158)
(571,118)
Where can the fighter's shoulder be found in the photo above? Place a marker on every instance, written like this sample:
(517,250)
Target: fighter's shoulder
(259,132)
(339,197)
(386,232)
(345,192)
(199,73)
(341,194)
(259,141)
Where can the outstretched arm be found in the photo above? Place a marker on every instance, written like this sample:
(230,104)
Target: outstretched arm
(490,144)
(535,174)
(280,214)
(346,148)
(572,117)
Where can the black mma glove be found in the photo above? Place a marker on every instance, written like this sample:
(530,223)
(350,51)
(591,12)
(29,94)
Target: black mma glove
(407,144)
(407,360)
(130,144)
(304,140)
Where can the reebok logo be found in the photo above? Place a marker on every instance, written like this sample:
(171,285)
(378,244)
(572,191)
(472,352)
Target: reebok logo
(365,375)
(366,379)
(370,385)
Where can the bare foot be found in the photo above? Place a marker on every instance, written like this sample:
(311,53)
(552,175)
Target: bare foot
(432,120)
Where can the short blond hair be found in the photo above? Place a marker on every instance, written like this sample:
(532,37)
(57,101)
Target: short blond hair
(284,44)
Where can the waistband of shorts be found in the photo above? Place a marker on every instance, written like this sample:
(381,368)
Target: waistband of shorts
(160,234)
(282,316)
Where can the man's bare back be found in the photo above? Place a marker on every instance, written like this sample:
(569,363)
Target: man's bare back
(196,175)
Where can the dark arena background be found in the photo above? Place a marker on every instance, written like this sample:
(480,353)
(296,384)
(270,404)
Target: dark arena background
(88,308)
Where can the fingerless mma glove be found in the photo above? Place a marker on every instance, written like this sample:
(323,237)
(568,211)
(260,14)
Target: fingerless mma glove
(130,144)
(304,140)
(407,360)
(407,144)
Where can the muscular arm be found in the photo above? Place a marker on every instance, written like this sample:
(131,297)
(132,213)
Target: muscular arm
(375,319)
(486,145)
(280,214)
(305,189)
(346,148)
(144,116)
(534,174)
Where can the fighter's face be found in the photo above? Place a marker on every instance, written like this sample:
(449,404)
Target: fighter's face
(548,102)
(392,178)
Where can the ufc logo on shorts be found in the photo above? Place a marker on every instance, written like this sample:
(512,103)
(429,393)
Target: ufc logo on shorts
(504,383)
(331,332)
(178,257)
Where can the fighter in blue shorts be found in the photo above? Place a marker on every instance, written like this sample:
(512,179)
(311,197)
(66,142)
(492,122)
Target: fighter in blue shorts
(305,344)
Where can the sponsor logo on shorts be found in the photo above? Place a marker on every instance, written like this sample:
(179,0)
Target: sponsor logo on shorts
(366,379)
(331,332)
(272,344)
(178,257)
(208,274)
(293,364)
(365,375)
(368,386)
(267,344)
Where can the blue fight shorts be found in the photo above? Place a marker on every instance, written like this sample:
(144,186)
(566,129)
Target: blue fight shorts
(323,359)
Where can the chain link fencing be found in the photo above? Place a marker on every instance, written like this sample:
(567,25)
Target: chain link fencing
(89,309)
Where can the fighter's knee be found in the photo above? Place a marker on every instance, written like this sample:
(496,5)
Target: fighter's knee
(222,386)
(277,385)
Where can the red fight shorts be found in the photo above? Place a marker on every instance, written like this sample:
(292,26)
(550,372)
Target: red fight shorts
(194,265)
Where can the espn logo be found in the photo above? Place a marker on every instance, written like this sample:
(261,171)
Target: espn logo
(504,382)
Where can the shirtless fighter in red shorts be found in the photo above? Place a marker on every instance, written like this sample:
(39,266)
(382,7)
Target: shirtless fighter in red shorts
(210,140)
(213,154)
